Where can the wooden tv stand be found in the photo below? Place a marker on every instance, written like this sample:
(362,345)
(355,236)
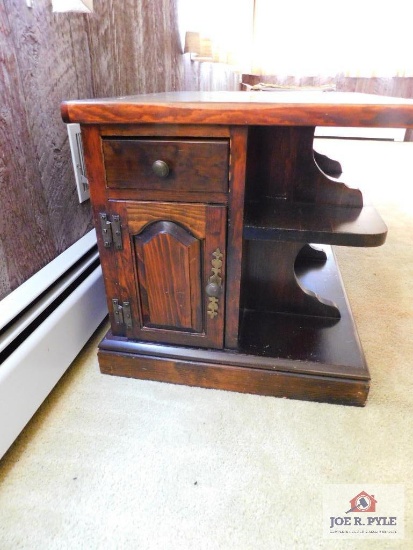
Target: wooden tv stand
(205,205)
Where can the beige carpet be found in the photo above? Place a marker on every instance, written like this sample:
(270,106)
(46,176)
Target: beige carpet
(113,463)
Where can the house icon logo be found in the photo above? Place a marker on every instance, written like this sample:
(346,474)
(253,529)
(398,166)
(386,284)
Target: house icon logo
(363,502)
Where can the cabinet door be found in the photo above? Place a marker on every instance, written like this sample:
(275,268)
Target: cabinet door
(173,271)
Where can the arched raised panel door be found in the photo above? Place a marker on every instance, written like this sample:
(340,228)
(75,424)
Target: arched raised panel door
(169,277)
(176,279)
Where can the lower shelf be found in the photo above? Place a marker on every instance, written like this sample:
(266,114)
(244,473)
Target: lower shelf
(280,355)
(333,343)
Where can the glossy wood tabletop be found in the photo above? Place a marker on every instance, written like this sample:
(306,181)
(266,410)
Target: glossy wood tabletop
(245,108)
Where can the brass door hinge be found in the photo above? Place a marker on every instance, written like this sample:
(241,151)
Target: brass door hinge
(111,231)
(122,313)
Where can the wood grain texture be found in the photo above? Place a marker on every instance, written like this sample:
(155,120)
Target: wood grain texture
(326,341)
(207,76)
(285,300)
(169,277)
(135,47)
(278,220)
(26,234)
(276,288)
(51,68)
(38,192)
(125,270)
(282,166)
(239,140)
(240,379)
(161,130)
(356,370)
(242,108)
(193,166)
(166,195)
(141,214)
(124,47)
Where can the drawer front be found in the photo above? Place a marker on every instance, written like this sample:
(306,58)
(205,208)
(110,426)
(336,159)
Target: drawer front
(191,166)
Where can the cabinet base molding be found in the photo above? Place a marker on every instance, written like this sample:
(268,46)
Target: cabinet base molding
(291,385)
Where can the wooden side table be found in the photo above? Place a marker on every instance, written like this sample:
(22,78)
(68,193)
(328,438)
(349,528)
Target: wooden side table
(215,227)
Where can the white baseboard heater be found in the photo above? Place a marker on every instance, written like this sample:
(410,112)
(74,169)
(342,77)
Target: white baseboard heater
(44,324)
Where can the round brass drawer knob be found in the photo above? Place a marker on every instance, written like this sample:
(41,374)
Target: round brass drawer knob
(160,168)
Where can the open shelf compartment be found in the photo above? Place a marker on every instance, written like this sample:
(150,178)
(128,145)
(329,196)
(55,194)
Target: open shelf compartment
(328,341)
(279,220)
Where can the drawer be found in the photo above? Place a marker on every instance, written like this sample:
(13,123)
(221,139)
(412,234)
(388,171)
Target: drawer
(191,166)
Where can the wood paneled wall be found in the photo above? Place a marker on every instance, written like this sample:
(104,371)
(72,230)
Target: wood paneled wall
(125,47)
(209,76)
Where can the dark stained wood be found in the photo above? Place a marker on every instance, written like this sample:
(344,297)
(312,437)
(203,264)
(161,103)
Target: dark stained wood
(290,199)
(92,148)
(282,165)
(164,268)
(329,166)
(164,130)
(356,370)
(269,282)
(167,195)
(140,214)
(270,330)
(240,108)
(239,137)
(113,270)
(263,342)
(321,340)
(278,220)
(284,326)
(244,380)
(169,274)
(194,166)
